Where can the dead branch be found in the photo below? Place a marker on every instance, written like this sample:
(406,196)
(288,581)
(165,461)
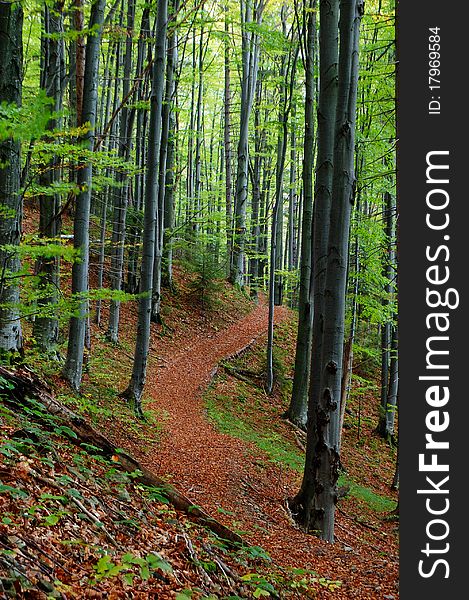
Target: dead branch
(26,385)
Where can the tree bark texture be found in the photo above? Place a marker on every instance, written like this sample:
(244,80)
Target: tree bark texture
(11,64)
(134,391)
(76,342)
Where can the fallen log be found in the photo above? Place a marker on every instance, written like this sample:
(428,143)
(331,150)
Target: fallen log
(18,389)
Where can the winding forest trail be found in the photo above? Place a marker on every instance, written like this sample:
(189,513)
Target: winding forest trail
(235,482)
(204,464)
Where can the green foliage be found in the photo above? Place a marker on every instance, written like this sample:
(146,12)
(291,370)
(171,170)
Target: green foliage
(130,566)
(26,122)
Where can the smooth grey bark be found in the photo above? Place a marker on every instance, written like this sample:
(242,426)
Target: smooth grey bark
(298,409)
(227,144)
(348,345)
(78,323)
(163,170)
(276,243)
(11,65)
(190,179)
(292,198)
(80,58)
(391,404)
(121,193)
(136,385)
(143,51)
(170,180)
(314,506)
(46,324)
(199,133)
(251,12)
(263,219)
(255,172)
(386,328)
(281,151)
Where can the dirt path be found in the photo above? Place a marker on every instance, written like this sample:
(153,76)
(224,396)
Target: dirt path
(232,479)
(204,463)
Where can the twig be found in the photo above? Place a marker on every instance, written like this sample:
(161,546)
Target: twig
(93,518)
(299,443)
(195,560)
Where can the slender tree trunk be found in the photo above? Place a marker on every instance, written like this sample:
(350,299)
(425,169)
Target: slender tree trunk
(386,328)
(137,200)
(134,391)
(80,52)
(170,180)
(391,403)
(256,196)
(11,65)
(122,192)
(276,240)
(76,341)
(227,145)
(297,411)
(250,13)
(46,327)
(163,171)
(348,346)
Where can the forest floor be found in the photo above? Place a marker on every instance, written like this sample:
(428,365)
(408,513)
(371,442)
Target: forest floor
(212,431)
(232,478)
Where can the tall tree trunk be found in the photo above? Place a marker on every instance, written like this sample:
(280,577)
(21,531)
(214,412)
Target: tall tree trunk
(276,243)
(170,180)
(80,58)
(134,391)
(143,48)
(255,171)
(163,171)
(46,327)
(314,506)
(122,192)
(386,328)
(11,66)
(348,346)
(251,12)
(281,150)
(297,411)
(227,145)
(76,340)
(393,388)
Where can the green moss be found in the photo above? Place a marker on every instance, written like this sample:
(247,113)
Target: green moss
(272,444)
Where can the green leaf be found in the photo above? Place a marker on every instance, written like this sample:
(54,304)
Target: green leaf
(258,592)
(156,562)
(66,430)
(14,492)
(52,519)
(145,573)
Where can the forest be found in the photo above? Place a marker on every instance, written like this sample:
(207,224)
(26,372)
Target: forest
(198,299)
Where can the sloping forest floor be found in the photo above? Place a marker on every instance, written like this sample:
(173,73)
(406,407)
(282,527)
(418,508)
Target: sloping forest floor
(83,528)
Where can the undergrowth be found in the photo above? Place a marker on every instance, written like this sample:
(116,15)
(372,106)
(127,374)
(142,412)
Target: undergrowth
(242,409)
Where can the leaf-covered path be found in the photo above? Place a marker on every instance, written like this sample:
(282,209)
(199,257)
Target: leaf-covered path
(232,479)
(204,463)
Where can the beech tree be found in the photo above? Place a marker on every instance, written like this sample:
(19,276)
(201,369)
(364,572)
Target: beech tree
(121,193)
(251,12)
(314,505)
(76,337)
(297,410)
(11,65)
(46,327)
(134,390)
